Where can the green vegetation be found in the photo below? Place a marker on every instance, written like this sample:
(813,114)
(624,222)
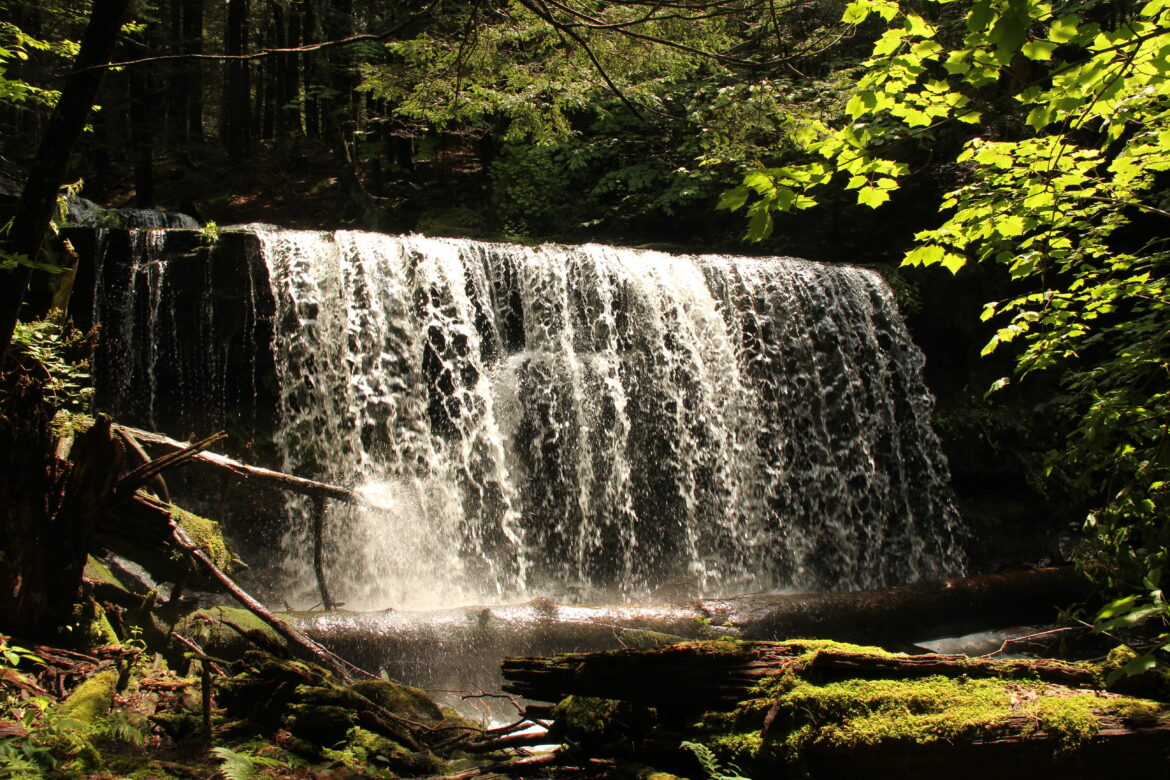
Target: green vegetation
(1060,182)
(802,714)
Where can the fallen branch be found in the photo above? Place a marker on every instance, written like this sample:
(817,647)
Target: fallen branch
(294,637)
(130,482)
(243,471)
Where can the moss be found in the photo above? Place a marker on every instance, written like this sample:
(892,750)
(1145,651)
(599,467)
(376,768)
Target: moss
(1073,719)
(323,724)
(178,725)
(855,713)
(585,715)
(97,572)
(642,639)
(207,534)
(400,699)
(95,626)
(92,699)
(215,630)
(380,750)
(866,712)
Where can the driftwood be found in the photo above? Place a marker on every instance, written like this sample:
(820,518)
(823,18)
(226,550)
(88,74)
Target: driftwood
(665,691)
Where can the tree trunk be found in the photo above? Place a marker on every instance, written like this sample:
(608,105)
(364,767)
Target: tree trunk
(237,99)
(51,513)
(193,69)
(143,105)
(49,167)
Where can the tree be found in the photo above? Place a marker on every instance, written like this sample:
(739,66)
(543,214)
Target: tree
(45,177)
(1064,183)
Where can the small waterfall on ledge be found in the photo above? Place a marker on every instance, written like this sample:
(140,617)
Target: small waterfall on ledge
(588,422)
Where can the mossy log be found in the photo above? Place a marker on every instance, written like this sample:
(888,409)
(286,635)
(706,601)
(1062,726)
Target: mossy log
(811,708)
(719,674)
(470,639)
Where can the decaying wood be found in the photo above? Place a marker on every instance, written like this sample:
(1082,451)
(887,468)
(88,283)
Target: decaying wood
(254,474)
(717,678)
(672,687)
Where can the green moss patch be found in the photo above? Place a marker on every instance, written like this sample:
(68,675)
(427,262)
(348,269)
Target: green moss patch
(858,713)
(92,699)
(207,534)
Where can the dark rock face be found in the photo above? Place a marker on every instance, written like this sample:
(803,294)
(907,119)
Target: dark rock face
(186,329)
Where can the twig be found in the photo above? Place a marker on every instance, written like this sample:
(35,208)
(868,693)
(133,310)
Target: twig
(1018,639)
(128,438)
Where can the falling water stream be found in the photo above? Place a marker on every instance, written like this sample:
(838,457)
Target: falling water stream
(596,423)
(589,423)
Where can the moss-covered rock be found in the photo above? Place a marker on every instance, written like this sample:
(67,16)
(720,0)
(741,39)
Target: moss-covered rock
(403,762)
(227,632)
(323,724)
(401,699)
(93,698)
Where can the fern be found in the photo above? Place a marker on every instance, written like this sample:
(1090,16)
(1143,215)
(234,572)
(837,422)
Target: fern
(236,766)
(710,763)
(244,764)
(119,727)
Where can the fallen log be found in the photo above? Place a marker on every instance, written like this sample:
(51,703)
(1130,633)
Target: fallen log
(720,673)
(425,647)
(809,708)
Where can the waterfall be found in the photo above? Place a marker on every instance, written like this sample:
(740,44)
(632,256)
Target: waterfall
(586,422)
(594,422)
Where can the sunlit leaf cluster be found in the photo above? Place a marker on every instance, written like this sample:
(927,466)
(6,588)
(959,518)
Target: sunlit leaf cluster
(1064,180)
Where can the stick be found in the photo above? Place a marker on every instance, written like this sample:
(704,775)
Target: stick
(319,551)
(296,638)
(243,471)
(128,485)
(163,491)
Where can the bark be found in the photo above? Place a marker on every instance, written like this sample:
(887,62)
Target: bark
(237,101)
(50,518)
(51,163)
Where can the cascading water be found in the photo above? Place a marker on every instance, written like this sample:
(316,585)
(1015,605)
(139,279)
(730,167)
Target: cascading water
(598,421)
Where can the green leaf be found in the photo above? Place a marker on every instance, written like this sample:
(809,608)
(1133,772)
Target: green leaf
(873,196)
(734,199)
(1010,31)
(1064,29)
(1038,50)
